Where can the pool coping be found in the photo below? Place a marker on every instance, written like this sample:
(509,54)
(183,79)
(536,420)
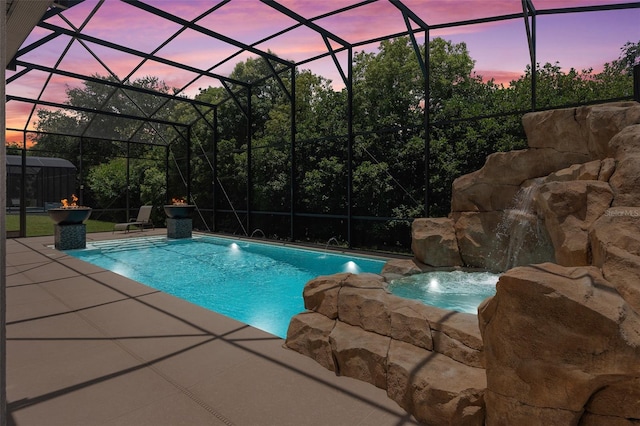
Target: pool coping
(314,247)
(86,346)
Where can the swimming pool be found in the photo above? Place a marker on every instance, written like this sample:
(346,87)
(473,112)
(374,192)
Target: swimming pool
(255,283)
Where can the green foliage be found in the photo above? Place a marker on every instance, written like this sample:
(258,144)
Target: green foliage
(108,183)
(555,87)
(323,187)
(152,187)
(108,180)
(470,119)
(629,57)
(101,148)
(388,87)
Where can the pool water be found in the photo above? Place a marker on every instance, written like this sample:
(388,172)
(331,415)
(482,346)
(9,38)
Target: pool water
(457,290)
(255,283)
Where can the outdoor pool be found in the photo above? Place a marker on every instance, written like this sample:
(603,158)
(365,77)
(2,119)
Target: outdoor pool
(255,283)
(261,284)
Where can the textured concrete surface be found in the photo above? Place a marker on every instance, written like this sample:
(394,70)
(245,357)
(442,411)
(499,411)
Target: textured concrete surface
(86,346)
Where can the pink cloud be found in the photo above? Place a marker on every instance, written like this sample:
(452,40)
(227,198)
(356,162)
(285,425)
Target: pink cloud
(499,49)
(16,113)
(498,76)
(258,21)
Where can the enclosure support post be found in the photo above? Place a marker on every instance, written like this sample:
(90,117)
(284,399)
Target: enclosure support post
(189,201)
(350,142)
(529,9)
(166,174)
(3,228)
(249,174)
(128,188)
(23,187)
(636,83)
(408,15)
(214,194)
(292,154)
(80,173)
(427,126)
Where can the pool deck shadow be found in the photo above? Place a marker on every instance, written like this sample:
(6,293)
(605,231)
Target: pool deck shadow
(86,346)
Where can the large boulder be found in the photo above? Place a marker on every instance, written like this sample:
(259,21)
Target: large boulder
(499,240)
(615,244)
(473,195)
(437,390)
(607,120)
(494,186)
(402,267)
(561,129)
(430,360)
(586,171)
(365,307)
(456,335)
(360,354)
(626,143)
(433,242)
(321,294)
(557,340)
(476,233)
(308,334)
(585,130)
(569,209)
(625,182)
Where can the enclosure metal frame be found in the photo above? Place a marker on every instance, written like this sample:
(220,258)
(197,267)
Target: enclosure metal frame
(242,97)
(529,14)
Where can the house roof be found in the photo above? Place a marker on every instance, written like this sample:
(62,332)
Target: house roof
(16,160)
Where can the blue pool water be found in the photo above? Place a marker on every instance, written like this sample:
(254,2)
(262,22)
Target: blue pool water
(457,290)
(258,284)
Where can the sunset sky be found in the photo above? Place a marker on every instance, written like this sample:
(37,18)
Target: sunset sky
(575,40)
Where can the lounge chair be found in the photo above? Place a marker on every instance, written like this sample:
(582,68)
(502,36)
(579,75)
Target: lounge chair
(141,221)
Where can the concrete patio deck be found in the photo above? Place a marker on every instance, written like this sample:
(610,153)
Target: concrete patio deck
(86,346)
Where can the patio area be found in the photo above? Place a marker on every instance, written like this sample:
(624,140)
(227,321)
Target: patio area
(86,346)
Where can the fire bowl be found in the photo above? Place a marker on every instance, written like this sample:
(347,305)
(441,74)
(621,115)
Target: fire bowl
(178,211)
(69,216)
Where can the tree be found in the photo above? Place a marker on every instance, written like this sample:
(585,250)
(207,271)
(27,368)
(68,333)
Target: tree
(101,139)
(469,119)
(94,95)
(108,181)
(629,57)
(389,93)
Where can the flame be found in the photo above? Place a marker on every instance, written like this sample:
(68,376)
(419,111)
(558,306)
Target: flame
(178,201)
(74,202)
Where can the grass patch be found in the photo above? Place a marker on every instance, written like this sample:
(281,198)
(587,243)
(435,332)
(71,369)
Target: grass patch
(40,224)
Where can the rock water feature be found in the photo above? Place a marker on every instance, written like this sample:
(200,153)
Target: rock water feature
(520,234)
(519,224)
(559,343)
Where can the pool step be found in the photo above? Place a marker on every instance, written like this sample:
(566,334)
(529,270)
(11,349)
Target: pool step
(130,244)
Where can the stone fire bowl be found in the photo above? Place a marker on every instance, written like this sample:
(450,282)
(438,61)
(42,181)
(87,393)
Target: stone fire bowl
(69,216)
(174,211)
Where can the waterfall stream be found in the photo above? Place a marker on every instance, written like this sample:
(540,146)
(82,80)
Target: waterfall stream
(520,228)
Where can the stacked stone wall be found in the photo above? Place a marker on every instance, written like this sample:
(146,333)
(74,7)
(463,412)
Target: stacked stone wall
(559,343)
(429,360)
